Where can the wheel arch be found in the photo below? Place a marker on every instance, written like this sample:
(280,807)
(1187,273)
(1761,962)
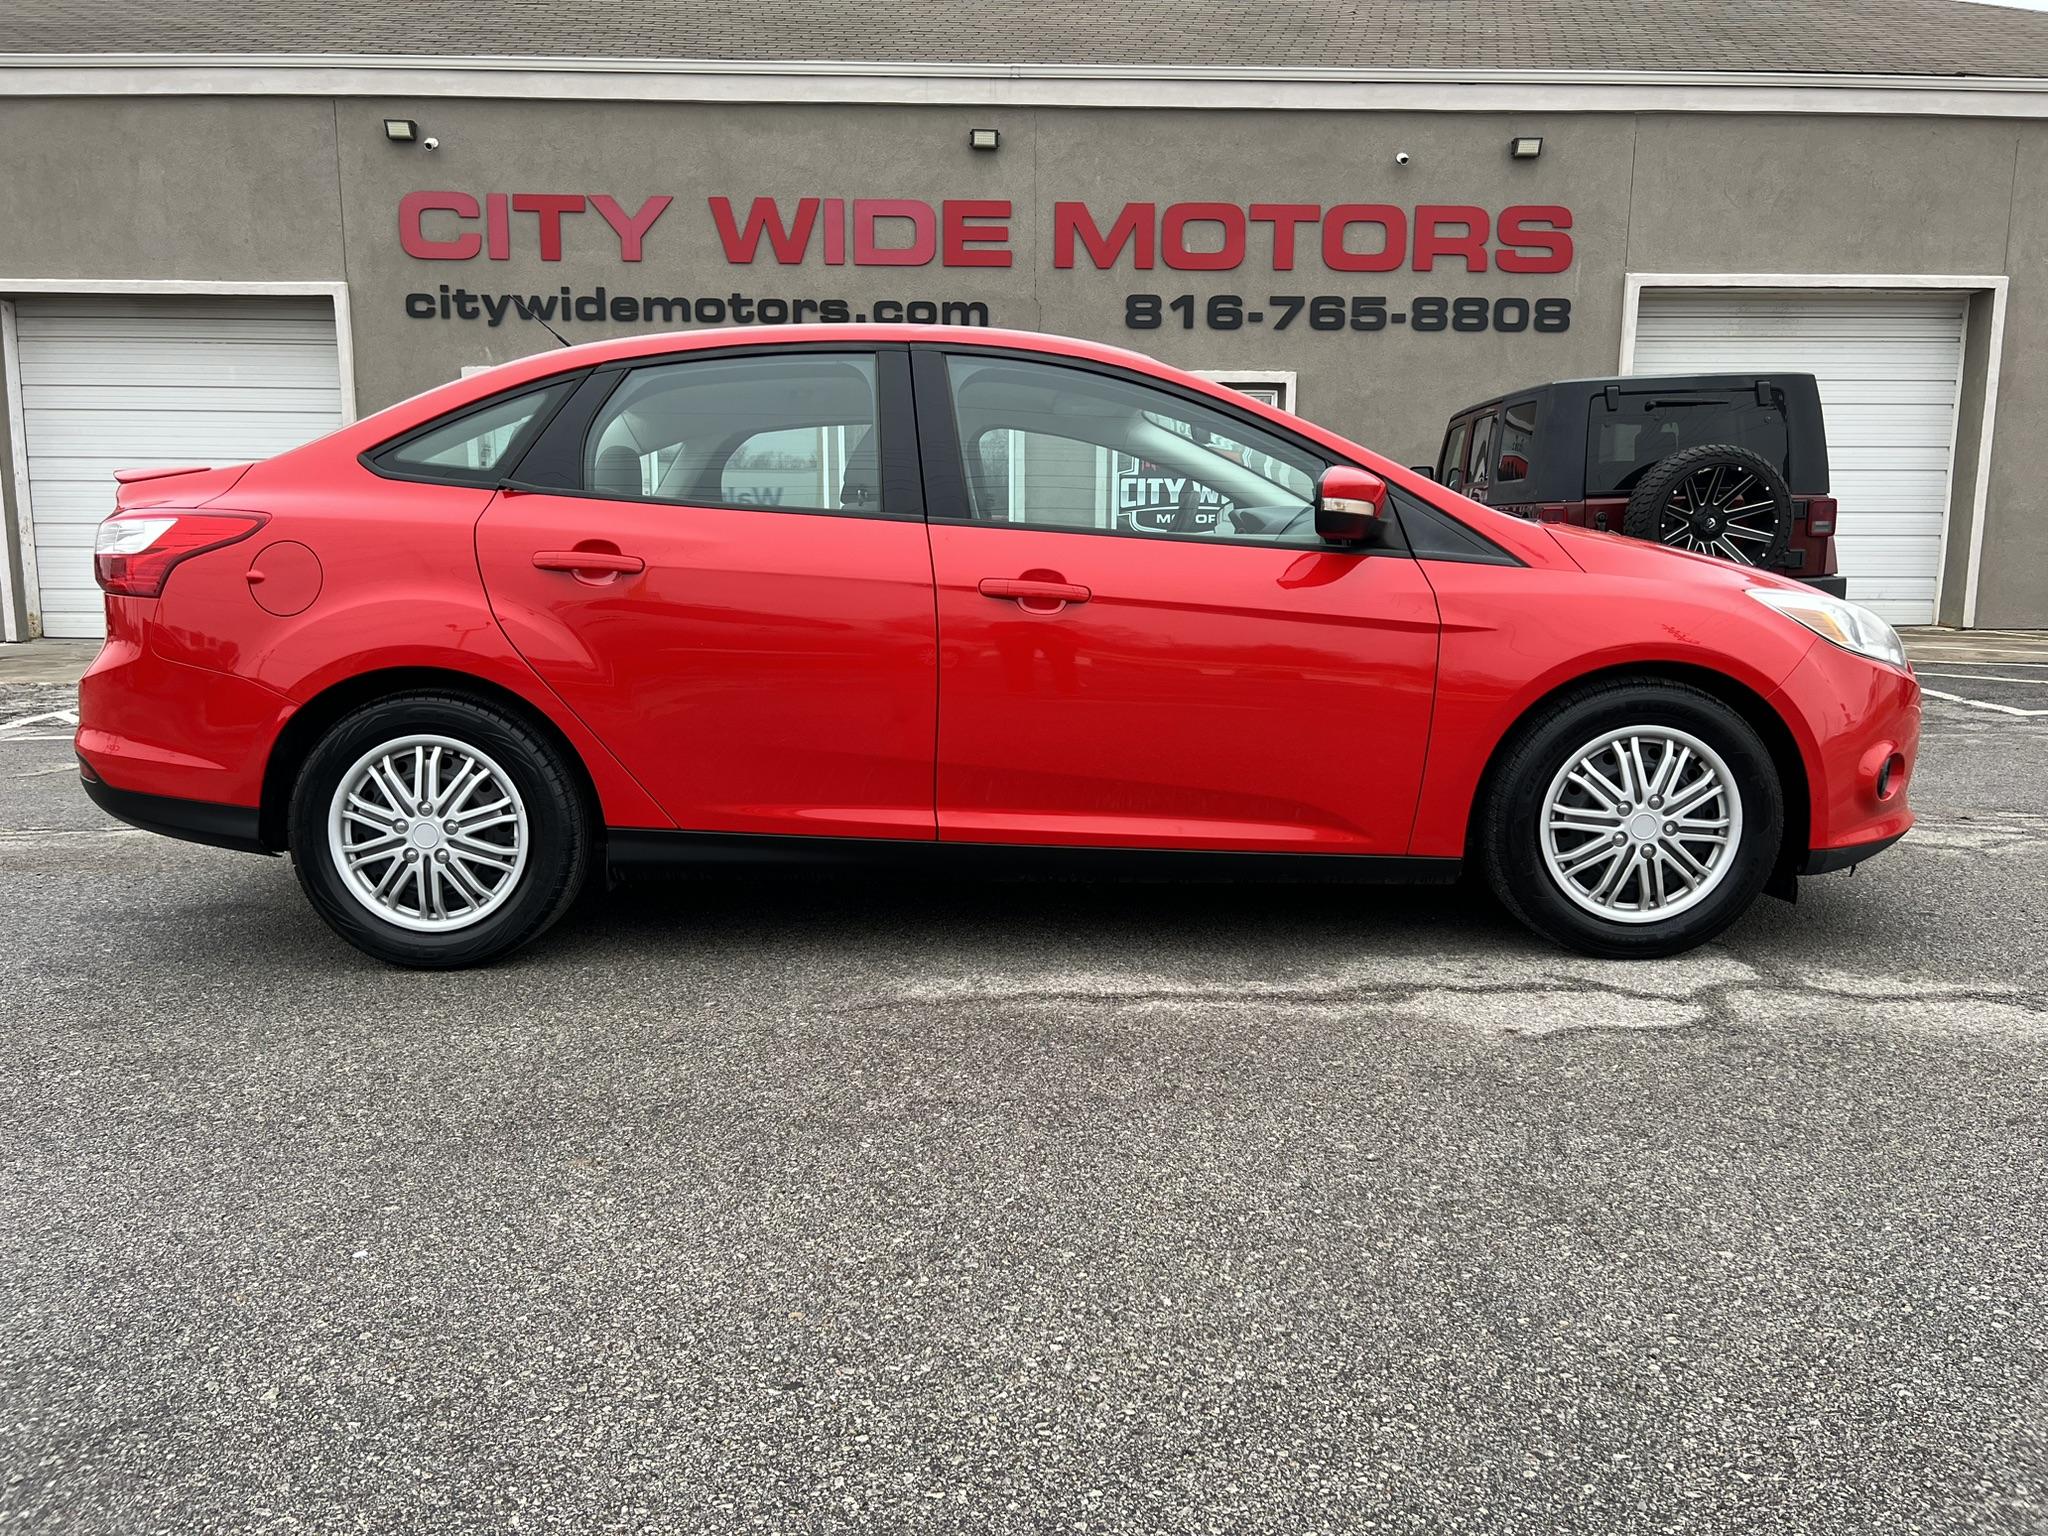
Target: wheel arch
(1755,709)
(313,719)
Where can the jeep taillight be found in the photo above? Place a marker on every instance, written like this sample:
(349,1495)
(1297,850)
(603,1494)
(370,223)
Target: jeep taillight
(1820,514)
(134,551)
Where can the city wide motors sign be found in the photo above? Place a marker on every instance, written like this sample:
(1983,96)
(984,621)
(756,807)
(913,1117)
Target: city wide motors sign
(1347,243)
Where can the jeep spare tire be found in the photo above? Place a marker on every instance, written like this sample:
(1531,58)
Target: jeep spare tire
(1716,499)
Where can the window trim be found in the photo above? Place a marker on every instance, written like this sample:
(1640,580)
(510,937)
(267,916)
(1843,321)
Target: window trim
(945,469)
(373,458)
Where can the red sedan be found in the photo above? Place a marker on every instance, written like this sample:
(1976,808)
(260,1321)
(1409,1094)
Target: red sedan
(911,595)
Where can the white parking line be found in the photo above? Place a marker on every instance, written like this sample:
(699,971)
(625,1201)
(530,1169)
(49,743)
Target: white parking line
(1986,677)
(2003,709)
(60,716)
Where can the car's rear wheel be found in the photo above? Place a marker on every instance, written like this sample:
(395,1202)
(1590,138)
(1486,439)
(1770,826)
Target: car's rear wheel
(437,831)
(1635,818)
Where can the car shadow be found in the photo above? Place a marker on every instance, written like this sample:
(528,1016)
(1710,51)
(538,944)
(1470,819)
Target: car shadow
(853,913)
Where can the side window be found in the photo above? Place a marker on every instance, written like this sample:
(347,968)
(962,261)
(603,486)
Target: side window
(792,433)
(1450,468)
(478,446)
(1059,447)
(1479,471)
(1517,434)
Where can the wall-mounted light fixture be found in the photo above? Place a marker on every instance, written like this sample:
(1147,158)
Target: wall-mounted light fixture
(401,130)
(983,138)
(1525,146)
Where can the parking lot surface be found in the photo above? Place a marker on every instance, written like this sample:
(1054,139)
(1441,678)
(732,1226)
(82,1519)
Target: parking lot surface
(809,1206)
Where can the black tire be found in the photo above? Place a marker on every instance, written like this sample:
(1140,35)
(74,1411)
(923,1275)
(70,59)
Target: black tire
(559,829)
(1511,840)
(1711,500)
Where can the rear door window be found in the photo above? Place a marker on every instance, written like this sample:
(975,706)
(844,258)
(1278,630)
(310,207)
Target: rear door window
(789,434)
(1622,444)
(1479,471)
(1450,465)
(1517,436)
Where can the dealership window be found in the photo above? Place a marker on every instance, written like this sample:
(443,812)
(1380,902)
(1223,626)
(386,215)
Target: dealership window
(1059,447)
(1622,444)
(476,445)
(785,433)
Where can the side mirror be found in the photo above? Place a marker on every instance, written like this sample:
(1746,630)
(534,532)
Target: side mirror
(1427,471)
(1350,505)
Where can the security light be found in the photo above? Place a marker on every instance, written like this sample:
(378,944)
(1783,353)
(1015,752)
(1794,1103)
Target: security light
(983,138)
(1525,146)
(401,130)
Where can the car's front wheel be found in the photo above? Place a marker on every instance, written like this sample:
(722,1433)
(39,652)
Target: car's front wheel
(1636,818)
(437,831)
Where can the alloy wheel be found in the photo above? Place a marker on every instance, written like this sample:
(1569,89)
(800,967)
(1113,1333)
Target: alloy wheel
(1641,824)
(428,833)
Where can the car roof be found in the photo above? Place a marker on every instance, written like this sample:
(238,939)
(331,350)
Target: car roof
(507,377)
(1636,383)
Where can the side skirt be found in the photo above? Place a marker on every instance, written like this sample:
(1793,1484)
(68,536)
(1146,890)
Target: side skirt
(630,852)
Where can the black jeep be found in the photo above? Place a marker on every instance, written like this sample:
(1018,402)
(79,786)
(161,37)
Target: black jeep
(1734,465)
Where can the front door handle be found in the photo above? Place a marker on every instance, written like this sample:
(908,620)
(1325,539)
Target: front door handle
(1036,596)
(581,561)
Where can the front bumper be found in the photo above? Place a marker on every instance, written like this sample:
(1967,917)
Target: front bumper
(1857,725)
(1827,861)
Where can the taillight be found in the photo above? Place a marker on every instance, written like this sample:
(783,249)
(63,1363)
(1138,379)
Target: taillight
(1820,515)
(134,552)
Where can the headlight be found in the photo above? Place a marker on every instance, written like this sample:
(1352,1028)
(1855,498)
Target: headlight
(1852,628)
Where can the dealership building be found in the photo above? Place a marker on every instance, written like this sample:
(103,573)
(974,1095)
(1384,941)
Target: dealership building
(226,229)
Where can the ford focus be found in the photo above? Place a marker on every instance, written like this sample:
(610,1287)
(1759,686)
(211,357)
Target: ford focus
(934,598)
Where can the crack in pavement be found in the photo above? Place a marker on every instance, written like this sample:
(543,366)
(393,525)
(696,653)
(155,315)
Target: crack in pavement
(1715,987)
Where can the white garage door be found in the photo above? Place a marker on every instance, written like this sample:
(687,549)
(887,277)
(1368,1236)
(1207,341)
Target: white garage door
(1889,365)
(112,383)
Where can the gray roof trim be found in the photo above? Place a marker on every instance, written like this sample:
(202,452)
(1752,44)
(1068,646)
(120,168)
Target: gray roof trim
(1053,85)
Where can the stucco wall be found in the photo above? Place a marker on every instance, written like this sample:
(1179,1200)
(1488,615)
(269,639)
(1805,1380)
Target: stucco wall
(262,189)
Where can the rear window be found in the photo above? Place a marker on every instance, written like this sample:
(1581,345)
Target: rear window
(1621,445)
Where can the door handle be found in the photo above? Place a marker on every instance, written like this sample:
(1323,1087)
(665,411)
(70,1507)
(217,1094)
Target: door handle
(581,560)
(1032,594)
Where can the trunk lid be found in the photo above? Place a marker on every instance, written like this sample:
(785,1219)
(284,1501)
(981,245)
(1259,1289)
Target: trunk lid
(174,485)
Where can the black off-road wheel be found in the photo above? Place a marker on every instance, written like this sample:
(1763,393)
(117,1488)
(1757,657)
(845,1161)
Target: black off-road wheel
(1716,499)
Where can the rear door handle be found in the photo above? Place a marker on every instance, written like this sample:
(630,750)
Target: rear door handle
(1034,594)
(580,560)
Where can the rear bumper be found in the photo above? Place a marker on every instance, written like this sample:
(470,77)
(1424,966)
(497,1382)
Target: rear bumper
(195,821)
(1834,586)
(162,728)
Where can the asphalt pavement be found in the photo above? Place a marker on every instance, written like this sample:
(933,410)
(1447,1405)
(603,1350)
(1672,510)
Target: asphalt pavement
(808,1206)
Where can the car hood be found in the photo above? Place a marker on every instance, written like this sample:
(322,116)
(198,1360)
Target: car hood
(1612,554)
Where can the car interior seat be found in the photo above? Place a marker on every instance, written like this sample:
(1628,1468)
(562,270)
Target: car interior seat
(617,472)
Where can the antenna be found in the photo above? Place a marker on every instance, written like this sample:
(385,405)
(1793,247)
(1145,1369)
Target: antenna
(536,319)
